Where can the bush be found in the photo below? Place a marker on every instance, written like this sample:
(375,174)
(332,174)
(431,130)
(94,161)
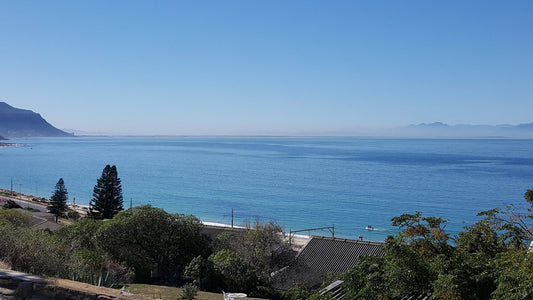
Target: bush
(152,241)
(73,215)
(261,247)
(80,235)
(11,204)
(98,269)
(189,292)
(4,265)
(236,274)
(33,251)
(15,217)
(27,249)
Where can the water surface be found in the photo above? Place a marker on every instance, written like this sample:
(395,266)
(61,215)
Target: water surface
(298,182)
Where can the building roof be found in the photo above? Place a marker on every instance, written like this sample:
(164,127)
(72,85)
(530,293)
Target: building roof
(323,255)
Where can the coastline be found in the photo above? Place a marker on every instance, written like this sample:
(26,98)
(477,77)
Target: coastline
(296,240)
(4,144)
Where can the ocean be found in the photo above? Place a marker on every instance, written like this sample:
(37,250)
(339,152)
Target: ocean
(300,183)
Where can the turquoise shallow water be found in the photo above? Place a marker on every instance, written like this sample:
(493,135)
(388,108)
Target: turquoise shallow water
(298,182)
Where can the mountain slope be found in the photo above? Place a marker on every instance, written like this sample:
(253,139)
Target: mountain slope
(15,122)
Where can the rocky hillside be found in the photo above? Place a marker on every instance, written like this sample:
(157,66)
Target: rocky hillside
(15,123)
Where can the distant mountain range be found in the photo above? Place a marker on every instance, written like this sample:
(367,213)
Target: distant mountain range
(439,129)
(16,123)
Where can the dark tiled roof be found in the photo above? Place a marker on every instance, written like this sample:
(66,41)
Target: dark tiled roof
(336,255)
(323,255)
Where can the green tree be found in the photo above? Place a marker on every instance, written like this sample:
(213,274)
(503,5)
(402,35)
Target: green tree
(488,261)
(261,247)
(260,251)
(413,261)
(517,224)
(80,235)
(199,269)
(107,195)
(514,275)
(153,241)
(58,202)
(236,274)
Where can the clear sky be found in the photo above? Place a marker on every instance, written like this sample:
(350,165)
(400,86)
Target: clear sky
(267,67)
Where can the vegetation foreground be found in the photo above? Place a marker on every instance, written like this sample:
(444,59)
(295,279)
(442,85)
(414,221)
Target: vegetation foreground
(487,260)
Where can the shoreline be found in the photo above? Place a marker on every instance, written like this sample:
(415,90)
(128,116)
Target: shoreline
(296,239)
(7,144)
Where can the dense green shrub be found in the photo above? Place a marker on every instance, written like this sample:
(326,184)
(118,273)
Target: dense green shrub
(484,262)
(27,249)
(15,217)
(245,259)
(262,247)
(236,274)
(152,241)
(189,292)
(73,215)
(81,235)
(33,251)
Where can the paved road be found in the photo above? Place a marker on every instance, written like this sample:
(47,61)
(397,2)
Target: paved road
(40,219)
(24,204)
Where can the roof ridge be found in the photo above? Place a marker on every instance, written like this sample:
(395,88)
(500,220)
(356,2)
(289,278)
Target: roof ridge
(346,240)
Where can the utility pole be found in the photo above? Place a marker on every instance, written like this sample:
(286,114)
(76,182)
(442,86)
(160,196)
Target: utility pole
(11,186)
(232,218)
(131,202)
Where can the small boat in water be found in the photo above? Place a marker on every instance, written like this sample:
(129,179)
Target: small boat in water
(370,228)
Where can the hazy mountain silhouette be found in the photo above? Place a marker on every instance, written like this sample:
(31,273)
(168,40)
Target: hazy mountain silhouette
(15,122)
(439,129)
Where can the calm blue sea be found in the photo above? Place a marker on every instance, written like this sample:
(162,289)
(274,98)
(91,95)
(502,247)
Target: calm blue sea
(298,182)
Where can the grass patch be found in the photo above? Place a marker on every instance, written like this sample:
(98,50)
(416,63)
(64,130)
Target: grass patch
(166,292)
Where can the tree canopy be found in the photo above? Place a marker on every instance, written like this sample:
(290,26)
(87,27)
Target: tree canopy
(107,195)
(487,260)
(153,241)
(58,201)
(245,259)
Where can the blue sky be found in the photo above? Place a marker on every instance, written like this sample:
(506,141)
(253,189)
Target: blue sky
(267,67)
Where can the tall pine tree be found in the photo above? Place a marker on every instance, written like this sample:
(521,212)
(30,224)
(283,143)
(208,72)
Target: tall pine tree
(58,202)
(107,195)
